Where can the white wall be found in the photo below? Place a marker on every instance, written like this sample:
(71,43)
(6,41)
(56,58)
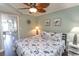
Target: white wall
(24,27)
(69,19)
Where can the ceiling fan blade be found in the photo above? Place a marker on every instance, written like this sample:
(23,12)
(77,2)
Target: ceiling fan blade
(43,5)
(28,4)
(41,10)
(23,8)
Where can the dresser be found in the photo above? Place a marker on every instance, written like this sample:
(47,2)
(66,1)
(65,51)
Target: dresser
(73,50)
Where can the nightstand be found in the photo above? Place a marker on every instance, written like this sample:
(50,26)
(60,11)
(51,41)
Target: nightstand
(73,50)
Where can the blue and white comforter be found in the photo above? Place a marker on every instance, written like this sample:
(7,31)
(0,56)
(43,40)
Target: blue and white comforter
(36,46)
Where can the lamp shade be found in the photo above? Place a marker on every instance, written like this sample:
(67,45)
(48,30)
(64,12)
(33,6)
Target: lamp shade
(75,30)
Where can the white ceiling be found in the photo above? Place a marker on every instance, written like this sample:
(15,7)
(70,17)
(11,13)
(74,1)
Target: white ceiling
(53,7)
(7,9)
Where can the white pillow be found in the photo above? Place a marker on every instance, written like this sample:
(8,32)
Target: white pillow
(45,35)
(57,37)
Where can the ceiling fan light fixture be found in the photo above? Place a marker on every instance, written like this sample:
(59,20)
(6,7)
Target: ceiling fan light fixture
(33,10)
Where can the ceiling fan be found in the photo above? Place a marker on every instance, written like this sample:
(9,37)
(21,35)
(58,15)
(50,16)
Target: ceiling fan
(36,7)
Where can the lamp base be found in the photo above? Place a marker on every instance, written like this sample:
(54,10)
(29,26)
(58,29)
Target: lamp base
(75,39)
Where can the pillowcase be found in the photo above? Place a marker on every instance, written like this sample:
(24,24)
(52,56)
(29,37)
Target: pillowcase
(45,35)
(52,36)
(57,37)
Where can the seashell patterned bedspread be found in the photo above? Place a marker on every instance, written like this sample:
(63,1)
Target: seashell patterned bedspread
(37,46)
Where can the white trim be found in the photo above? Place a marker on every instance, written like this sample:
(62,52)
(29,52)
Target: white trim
(18,27)
(2,50)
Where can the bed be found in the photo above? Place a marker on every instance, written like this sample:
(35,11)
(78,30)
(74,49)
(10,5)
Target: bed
(41,45)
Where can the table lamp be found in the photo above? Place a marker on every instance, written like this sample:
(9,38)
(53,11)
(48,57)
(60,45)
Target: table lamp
(75,30)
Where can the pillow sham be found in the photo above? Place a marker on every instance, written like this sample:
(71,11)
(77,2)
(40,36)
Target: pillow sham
(45,35)
(57,37)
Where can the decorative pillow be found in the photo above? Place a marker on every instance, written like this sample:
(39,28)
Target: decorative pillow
(45,35)
(57,37)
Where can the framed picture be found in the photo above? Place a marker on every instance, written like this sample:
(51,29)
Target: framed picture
(47,22)
(57,22)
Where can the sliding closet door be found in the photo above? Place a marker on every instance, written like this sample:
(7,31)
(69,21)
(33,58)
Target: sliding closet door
(9,32)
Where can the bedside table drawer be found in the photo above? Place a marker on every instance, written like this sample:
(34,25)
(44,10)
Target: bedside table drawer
(73,48)
(71,53)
